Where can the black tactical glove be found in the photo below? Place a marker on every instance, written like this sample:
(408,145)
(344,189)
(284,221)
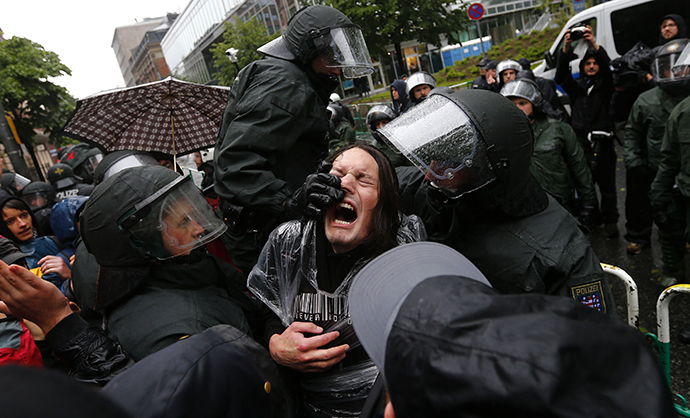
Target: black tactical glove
(318,192)
(590,216)
(661,218)
(641,172)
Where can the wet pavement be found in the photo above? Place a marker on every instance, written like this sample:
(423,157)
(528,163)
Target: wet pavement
(645,269)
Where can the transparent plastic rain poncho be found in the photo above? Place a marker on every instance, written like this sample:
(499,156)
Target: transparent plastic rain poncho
(286,261)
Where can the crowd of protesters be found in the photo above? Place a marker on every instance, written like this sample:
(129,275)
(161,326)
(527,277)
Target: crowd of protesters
(296,271)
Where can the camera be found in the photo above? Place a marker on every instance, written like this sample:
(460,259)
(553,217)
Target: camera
(577,32)
(231,53)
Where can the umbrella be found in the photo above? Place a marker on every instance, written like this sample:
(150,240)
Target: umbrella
(169,116)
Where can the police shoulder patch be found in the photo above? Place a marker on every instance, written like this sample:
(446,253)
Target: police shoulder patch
(590,294)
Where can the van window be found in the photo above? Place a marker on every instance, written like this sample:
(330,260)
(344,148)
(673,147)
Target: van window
(591,22)
(642,22)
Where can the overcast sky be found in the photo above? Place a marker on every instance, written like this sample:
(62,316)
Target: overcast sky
(81,33)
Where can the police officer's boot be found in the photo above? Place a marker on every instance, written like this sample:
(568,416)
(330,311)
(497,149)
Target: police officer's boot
(672,256)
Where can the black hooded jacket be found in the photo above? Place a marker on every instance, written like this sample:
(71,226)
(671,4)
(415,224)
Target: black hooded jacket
(5,231)
(403,102)
(590,97)
(680,22)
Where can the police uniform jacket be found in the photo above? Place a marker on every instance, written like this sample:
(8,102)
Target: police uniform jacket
(644,130)
(558,162)
(542,253)
(274,128)
(675,158)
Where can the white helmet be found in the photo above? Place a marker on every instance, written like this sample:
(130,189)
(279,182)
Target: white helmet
(334,98)
(417,79)
(508,65)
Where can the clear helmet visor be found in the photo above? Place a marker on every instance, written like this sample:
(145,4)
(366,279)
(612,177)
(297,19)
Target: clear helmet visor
(681,68)
(440,139)
(174,221)
(663,67)
(35,200)
(92,162)
(20,182)
(349,52)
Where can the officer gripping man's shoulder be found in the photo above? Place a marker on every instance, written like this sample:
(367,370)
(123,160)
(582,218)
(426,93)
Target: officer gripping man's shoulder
(275,125)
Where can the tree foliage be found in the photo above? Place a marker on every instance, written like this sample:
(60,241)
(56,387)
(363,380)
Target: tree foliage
(243,36)
(392,22)
(27,93)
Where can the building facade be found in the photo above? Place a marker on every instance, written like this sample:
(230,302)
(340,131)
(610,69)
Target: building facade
(148,62)
(126,41)
(187,44)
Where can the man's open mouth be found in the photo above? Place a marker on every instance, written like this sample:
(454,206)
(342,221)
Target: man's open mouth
(344,214)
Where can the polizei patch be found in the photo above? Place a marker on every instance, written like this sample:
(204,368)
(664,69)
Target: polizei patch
(590,294)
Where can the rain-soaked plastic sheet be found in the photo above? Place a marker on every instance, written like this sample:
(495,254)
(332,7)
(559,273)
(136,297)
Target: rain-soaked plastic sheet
(287,261)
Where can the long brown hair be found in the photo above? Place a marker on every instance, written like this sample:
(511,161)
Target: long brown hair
(386,216)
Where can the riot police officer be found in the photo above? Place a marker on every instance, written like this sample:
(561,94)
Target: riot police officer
(15,182)
(276,123)
(66,184)
(473,189)
(40,196)
(83,159)
(644,133)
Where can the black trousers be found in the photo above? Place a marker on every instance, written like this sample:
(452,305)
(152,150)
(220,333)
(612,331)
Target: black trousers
(638,209)
(601,156)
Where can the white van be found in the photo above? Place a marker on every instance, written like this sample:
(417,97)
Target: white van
(617,25)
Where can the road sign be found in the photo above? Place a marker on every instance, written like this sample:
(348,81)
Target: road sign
(579,5)
(475,11)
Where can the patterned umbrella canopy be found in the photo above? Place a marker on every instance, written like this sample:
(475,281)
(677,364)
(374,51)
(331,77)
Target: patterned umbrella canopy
(170,116)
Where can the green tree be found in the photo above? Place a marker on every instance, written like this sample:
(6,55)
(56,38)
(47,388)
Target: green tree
(26,92)
(392,22)
(243,36)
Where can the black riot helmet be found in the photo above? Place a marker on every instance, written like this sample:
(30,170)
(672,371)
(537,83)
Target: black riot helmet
(83,159)
(39,195)
(470,141)
(62,176)
(139,216)
(15,182)
(147,207)
(667,57)
(321,29)
(119,160)
(379,113)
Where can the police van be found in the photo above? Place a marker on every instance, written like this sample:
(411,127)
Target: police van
(617,26)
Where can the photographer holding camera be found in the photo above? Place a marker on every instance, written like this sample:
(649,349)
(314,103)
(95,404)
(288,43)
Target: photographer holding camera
(590,98)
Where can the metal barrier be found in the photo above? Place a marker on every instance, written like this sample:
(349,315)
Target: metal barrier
(662,341)
(631,293)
